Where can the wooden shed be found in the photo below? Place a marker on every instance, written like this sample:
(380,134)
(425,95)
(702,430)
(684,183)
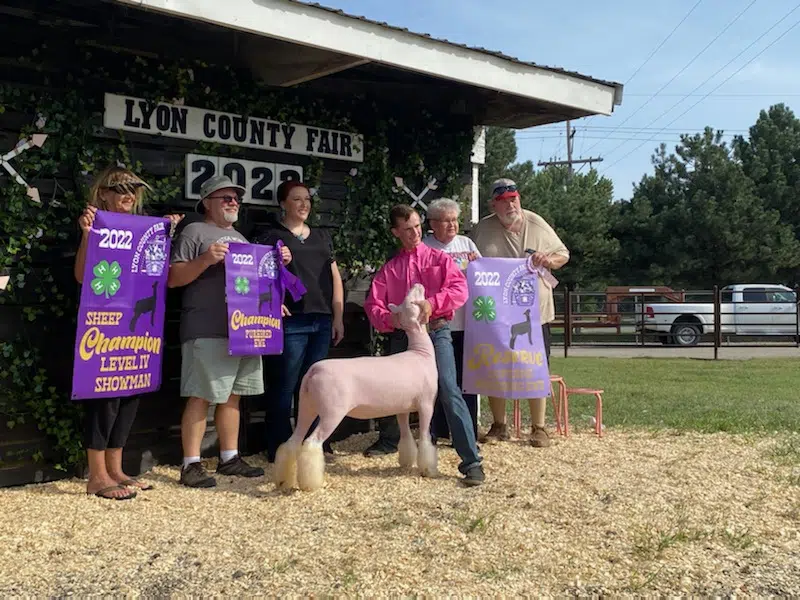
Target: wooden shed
(261,90)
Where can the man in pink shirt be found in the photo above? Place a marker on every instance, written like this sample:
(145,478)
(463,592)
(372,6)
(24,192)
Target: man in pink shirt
(445,292)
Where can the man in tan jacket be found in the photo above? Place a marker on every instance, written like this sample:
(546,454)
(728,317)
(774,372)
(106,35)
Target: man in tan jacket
(508,233)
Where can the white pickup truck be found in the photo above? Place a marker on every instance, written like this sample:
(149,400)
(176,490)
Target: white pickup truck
(745,309)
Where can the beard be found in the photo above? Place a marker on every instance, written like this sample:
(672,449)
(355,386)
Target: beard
(231,217)
(510,218)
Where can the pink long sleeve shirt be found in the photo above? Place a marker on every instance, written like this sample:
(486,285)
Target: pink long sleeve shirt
(444,283)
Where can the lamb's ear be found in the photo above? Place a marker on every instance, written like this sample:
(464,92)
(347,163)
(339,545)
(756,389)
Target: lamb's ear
(394,308)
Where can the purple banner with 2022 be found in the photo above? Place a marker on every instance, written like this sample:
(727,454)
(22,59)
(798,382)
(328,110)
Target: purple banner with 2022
(255,282)
(119,342)
(504,354)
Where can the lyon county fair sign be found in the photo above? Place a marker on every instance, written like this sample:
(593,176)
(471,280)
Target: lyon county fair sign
(192,123)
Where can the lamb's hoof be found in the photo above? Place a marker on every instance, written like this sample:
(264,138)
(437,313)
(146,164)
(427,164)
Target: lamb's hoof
(427,459)
(284,472)
(407,452)
(310,467)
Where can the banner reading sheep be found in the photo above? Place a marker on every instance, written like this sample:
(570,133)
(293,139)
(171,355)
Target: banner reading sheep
(504,352)
(255,283)
(119,342)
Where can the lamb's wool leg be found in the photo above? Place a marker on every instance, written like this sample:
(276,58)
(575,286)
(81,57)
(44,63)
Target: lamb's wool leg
(311,461)
(286,458)
(427,458)
(284,473)
(407,449)
(310,466)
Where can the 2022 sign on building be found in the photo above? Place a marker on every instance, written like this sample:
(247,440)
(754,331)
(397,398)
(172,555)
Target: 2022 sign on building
(260,179)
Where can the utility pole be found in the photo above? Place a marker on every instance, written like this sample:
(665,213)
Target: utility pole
(569,162)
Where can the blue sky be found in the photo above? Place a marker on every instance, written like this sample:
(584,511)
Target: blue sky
(611,40)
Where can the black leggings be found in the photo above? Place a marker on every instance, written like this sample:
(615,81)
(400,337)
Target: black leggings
(109,421)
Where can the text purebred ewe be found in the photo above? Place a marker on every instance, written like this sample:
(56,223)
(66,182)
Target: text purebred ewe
(366,388)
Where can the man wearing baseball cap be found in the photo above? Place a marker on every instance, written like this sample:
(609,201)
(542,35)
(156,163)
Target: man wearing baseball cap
(208,374)
(509,233)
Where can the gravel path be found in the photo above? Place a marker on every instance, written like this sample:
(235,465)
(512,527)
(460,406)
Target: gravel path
(634,512)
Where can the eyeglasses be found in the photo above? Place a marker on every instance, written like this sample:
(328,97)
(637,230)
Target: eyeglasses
(503,189)
(226,199)
(446,220)
(124,188)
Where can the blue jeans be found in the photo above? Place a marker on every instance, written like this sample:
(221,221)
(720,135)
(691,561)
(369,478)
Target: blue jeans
(439,428)
(455,408)
(306,340)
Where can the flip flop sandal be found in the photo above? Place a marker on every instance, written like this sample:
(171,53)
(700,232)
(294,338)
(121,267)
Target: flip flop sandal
(136,483)
(105,491)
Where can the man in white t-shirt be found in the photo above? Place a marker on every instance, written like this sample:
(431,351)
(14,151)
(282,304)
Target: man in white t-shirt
(443,217)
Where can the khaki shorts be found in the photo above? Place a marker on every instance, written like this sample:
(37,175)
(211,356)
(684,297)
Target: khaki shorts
(210,373)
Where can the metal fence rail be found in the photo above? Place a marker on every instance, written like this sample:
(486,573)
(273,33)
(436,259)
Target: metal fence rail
(759,319)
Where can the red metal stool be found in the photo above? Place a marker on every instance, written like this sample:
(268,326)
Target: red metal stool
(562,394)
(517,418)
(598,394)
(556,404)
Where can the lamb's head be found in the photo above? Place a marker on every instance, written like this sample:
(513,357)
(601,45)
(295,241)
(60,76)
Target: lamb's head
(409,313)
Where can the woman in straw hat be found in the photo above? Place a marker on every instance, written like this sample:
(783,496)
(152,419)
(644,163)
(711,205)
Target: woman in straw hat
(109,420)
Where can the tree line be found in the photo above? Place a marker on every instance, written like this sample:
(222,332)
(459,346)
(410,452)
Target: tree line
(709,213)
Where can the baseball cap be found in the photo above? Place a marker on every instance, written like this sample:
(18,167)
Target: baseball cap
(504,188)
(211,185)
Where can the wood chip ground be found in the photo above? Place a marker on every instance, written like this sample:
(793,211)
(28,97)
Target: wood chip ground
(635,512)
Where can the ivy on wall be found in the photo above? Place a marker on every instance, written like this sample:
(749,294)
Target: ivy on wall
(77,148)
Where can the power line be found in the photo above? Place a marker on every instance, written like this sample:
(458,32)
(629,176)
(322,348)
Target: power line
(570,161)
(742,95)
(601,128)
(664,41)
(773,42)
(687,65)
(627,139)
(674,134)
(718,71)
(647,60)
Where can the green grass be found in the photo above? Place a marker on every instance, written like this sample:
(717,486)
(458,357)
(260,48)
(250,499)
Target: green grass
(685,394)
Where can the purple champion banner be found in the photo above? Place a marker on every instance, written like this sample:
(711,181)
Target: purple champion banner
(255,282)
(504,354)
(120,337)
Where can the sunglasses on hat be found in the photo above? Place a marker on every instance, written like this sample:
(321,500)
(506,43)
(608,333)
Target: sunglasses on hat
(503,189)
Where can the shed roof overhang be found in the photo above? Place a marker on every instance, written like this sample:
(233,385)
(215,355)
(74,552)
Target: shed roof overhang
(291,43)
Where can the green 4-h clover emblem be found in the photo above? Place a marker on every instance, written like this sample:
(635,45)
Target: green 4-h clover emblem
(484,309)
(106,278)
(241,285)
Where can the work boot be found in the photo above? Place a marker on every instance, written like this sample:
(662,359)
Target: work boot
(539,437)
(380,447)
(196,476)
(238,466)
(498,431)
(474,476)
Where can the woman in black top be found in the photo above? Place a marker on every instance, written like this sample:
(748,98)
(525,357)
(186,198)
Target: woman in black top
(313,320)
